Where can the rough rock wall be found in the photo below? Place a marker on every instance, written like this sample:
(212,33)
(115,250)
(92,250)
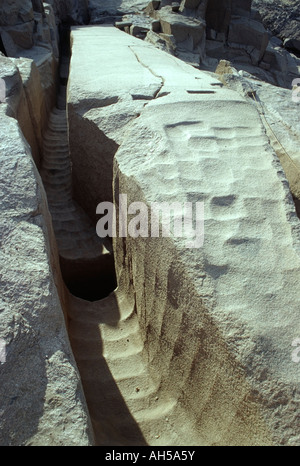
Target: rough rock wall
(219,13)
(17,23)
(42,402)
(25,24)
(26,99)
(282,18)
(279,110)
(29,36)
(71,11)
(218,321)
(100,10)
(248,45)
(227,22)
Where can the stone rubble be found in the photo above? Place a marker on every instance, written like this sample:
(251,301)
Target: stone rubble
(203,32)
(282,18)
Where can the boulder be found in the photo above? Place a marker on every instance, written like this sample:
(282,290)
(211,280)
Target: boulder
(139,31)
(234,21)
(248,33)
(189,34)
(284,66)
(151,7)
(29,25)
(26,25)
(162,41)
(194,8)
(123,24)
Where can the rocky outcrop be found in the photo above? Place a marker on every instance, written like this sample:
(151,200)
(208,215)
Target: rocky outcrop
(229,23)
(202,33)
(42,402)
(236,25)
(27,99)
(106,10)
(247,43)
(282,18)
(189,31)
(28,31)
(25,24)
(216,341)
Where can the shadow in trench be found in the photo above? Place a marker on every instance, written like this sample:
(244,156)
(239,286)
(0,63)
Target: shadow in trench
(297,205)
(89,279)
(97,342)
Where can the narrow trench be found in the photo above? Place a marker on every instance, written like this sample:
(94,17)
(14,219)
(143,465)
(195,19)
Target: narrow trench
(2,48)
(124,403)
(87,265)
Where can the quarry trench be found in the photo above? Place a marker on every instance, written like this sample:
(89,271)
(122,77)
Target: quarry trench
(125,404)
(140,341)
(129,404)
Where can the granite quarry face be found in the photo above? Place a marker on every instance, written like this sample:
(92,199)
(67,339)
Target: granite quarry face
(133,338)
